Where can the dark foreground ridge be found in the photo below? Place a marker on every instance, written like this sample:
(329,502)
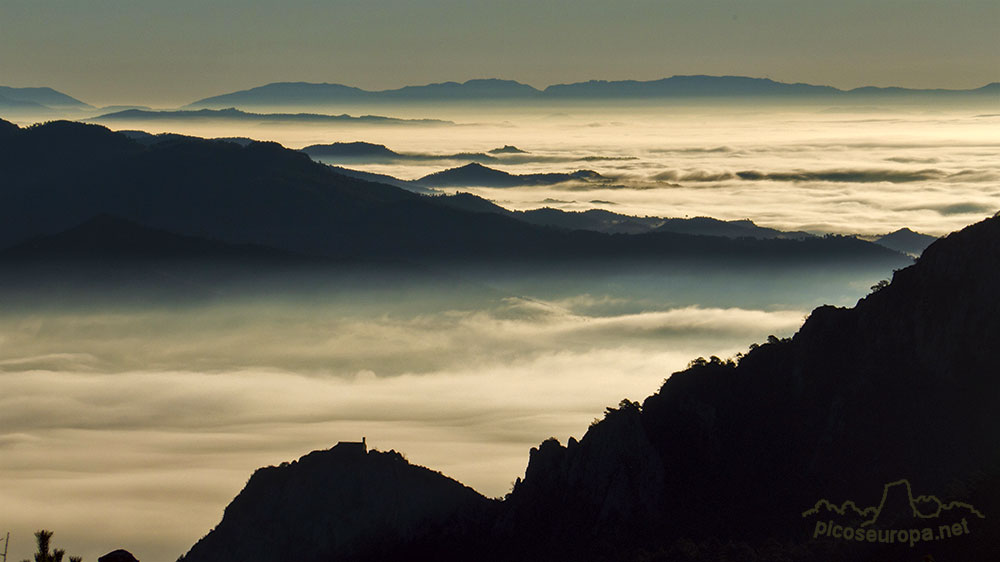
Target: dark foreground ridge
(111,239)
(721,463)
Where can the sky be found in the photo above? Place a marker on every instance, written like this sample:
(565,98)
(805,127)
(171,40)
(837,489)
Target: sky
(170,53)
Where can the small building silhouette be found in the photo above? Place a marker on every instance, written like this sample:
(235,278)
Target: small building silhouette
(352,447)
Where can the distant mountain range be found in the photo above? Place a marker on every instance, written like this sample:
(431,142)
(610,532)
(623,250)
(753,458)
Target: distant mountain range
(305,93)
(680,87)
(44,101)
(231,114)
(262,194)
(903,240)
(723,462)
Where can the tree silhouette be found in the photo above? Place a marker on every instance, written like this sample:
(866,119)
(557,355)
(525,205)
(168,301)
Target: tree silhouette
(44,540)
(880,285)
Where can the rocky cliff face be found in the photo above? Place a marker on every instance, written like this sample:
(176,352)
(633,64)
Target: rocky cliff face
(608,485)
(901,386)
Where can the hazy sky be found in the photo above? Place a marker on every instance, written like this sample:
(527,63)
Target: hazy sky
(170,53)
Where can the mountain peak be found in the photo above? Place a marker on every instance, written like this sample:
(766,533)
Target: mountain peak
(334,504)
(43,96)
(507,149)
(906,241)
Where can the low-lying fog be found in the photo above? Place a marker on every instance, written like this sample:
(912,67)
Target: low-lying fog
(123,419)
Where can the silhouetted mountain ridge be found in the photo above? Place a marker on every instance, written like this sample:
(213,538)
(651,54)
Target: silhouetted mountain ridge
(739,228)
(106,237)
(107,258)
(263,194)
(895,386)
(148,139)
(7,128)
(384,179)
(482,89)
(600,220)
